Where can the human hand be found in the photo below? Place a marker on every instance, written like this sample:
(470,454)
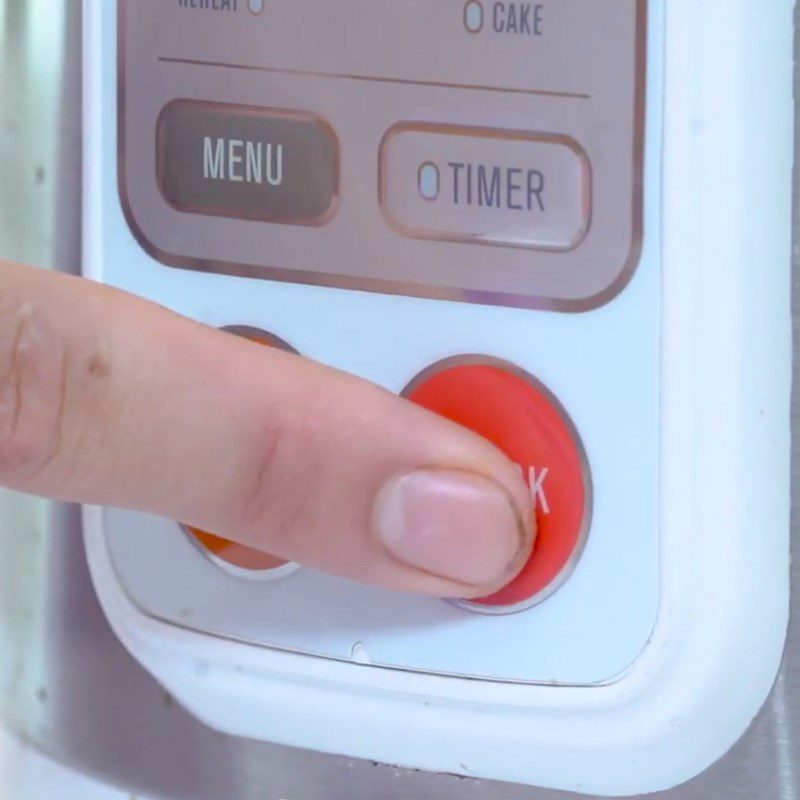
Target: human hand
(108,399)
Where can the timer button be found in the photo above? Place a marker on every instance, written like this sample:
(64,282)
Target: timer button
(485,186)
(520,416)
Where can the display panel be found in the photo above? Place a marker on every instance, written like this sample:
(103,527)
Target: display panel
(483,152)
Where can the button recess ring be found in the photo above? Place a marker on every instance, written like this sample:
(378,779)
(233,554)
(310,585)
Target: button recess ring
(518,414)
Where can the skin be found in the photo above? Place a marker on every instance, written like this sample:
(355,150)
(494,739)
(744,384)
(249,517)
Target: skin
(108,399)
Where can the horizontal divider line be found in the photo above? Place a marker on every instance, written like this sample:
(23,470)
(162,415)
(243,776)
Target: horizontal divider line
(373,79)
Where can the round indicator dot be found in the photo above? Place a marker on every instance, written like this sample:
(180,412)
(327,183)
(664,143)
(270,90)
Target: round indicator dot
(473,16)
(224,551)
(521,417)
(428,180)
(256,6)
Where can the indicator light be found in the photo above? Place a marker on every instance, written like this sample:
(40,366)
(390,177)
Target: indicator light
(473,16)
(428,180)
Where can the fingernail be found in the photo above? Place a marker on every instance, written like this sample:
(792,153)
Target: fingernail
(457,525)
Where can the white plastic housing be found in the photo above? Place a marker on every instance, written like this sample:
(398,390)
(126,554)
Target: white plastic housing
(724,484)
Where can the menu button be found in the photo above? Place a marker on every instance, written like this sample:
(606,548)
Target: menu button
(248,163)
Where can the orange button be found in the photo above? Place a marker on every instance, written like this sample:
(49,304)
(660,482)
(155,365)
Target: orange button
(237,555)
(232,553)
(520,416)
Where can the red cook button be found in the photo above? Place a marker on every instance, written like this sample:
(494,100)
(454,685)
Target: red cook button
(232,553)
(520,416)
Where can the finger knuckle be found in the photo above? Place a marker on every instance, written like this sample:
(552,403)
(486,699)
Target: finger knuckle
(272,500)
(32,396)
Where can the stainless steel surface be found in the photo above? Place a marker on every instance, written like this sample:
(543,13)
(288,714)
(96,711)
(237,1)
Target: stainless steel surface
(66,684)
